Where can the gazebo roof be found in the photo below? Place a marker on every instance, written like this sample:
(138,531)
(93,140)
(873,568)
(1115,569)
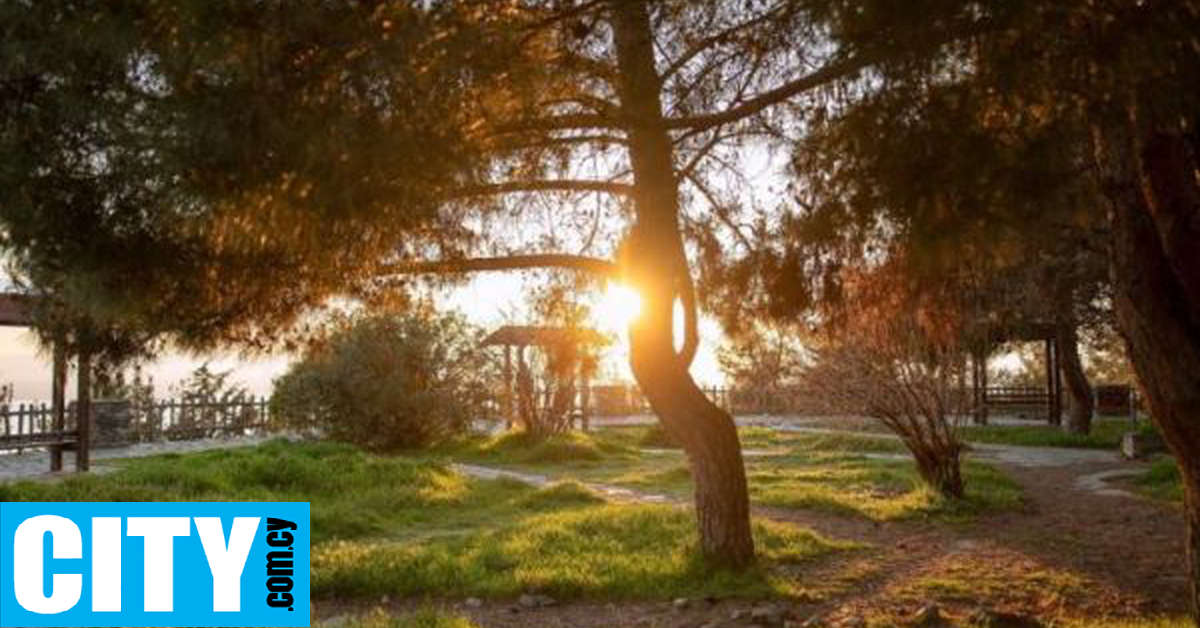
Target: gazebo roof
(526,335)
(14,310)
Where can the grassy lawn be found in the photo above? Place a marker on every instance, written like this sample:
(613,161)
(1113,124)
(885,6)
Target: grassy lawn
(1161,481)
(414,527)
(1106,434)
(850,474)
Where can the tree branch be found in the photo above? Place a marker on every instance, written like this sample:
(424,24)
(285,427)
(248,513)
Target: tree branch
(541,185)
(717,38)
(563,122)
(562,261)
(831,72)
(686,290)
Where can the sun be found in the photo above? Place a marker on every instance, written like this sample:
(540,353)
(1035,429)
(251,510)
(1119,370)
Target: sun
(618,307)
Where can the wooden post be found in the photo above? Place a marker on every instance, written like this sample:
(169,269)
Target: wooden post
(979,384)
(585,402)
(58,397)
(1053,385)
(506,400)
(83,409)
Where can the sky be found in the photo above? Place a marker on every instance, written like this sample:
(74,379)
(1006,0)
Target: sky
(489,300)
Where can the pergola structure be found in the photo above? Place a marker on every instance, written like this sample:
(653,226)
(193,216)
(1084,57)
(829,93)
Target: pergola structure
(985,398)
(516,339)
(16,310)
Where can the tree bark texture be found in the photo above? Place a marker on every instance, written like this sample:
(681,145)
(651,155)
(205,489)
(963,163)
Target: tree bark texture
(1079,421)
(1150,183)
(653,261)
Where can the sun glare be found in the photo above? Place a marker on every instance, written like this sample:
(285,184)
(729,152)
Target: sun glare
(618,307)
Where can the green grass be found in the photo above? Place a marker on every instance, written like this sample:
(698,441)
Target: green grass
(1106,434)
(1161,481)
(415,528)
(847,474)
(880,490)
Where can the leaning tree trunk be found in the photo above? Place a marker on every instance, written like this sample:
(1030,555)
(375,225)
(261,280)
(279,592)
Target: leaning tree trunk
(1154,202)
(1067,339)
(653,260)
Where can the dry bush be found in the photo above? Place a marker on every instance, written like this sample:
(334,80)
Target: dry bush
(546,390)
(895,360)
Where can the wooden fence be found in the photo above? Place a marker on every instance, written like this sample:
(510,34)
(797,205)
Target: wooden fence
(28,425)
(620,400)
(181,419)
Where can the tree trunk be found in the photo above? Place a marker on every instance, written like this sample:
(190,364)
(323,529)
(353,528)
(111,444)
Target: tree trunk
(83,408)
(653,261)
(943,472)
(1067,338)
(1149,181)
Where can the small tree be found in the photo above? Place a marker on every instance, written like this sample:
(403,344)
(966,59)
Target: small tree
(892,360)
(763,363)
(388,382)
(210,400)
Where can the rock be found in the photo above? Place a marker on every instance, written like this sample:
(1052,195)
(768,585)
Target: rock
(768,615)
(928,615)
(739,614)
(473,602)
(1136,445)
(335,622)
(984,618)
(384,599)
(681,603)
(529,600)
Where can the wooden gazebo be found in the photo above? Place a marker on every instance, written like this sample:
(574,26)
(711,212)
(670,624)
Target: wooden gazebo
(16,310)
(516,339)
(986,398)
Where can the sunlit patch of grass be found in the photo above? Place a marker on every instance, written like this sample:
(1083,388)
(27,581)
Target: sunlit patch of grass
(519,448)
(1009,581)
(1161,481)
(850,474)
(675,479)
(616,551)
(877,489)
(403,526)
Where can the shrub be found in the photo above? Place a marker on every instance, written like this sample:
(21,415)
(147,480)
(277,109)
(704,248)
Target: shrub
(891,359)
(387,382)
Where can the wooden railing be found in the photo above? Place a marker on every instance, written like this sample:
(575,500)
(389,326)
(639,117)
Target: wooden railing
(29,425)
(180,419)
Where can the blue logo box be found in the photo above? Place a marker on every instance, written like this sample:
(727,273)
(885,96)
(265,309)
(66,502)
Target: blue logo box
(154,564)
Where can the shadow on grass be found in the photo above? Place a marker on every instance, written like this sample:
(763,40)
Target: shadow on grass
(843,474)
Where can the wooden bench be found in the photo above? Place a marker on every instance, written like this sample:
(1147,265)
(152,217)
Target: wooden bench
(55,442)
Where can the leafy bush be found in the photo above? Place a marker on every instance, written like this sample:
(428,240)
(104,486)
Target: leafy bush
(388,382)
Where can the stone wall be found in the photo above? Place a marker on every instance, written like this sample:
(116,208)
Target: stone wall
(113,423)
